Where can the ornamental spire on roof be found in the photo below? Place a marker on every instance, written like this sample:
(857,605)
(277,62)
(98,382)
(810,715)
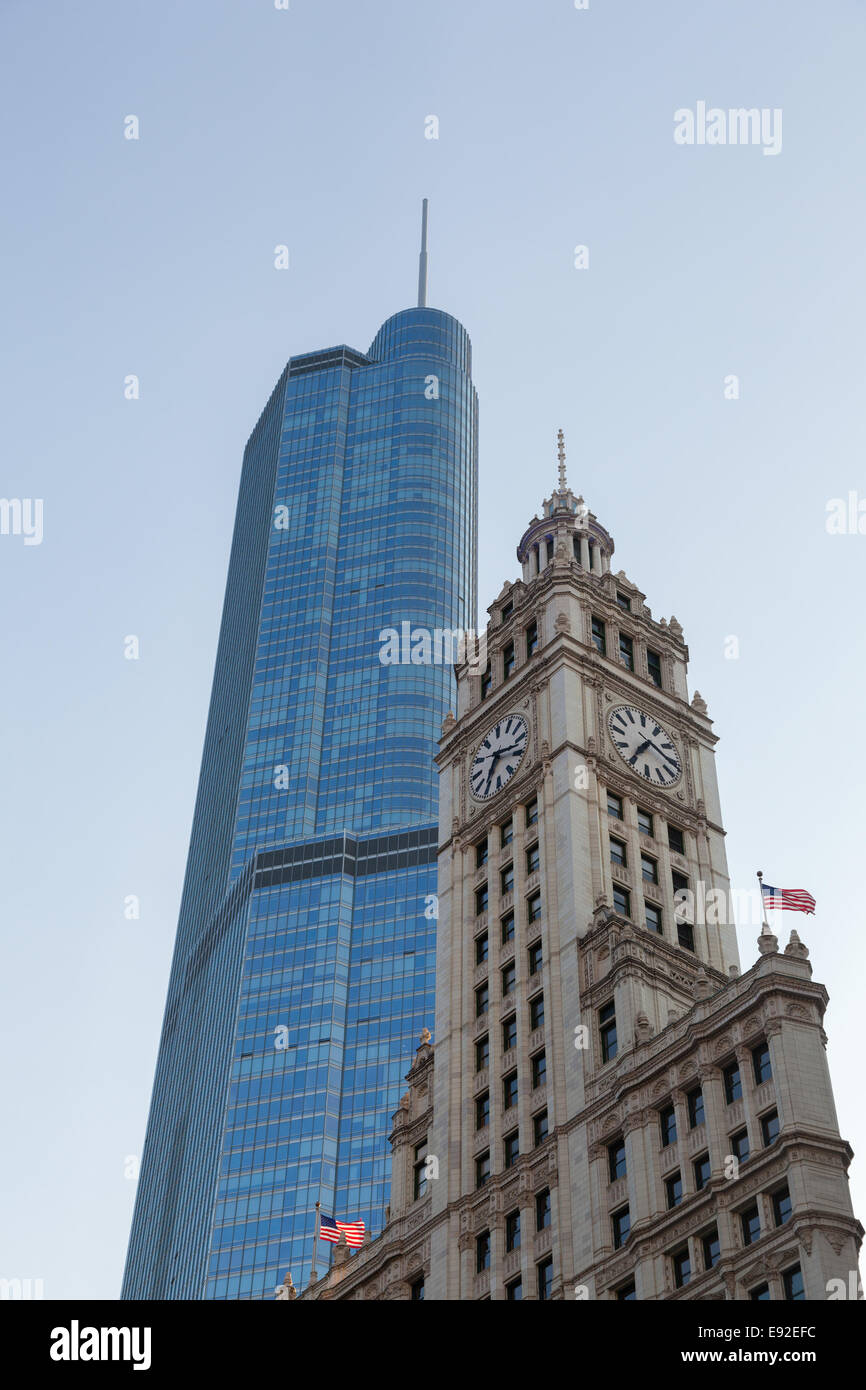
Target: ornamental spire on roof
(560,440)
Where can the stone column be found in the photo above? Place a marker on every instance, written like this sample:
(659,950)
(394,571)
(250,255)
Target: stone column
(715,1121)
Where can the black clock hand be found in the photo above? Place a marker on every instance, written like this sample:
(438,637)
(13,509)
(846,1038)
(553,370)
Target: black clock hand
(666,756)
(493,761)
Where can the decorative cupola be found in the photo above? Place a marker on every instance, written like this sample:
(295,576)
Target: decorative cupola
(566,529)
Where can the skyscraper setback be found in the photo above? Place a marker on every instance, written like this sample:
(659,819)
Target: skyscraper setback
(304,962)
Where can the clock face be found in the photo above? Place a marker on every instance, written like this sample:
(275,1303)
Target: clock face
(645,745)
(498,756)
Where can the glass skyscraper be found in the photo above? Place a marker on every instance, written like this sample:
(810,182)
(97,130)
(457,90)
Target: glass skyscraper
(303,965)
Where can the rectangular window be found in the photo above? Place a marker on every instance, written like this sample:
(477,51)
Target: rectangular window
(417,1291)
(533,907)
(750,1224)
(509,1032)
(482,1000)
(542,1210)
(782,1206)
(654,667)
(673,1190)
(506,833)
(649,869)
(760,1294)
(481,899)
(626,1293)
(509,1090)
(607,1031)
(507,927)
(482,1110)
(712,1249)
(761,1063)
(599,640)
(545,1280)
(506,879)
(792,1281)
(740,1146)
(482,1169)
(733,1084)
(682,1268)
(701,1169)
(623,601)
(535,958)
(508,660)
(770,1127)
(511,1149)
(419,1181)
(539,1069)
(506,611)
(675,840)
(679,882)
(481,948)
(645,822)
(653,918)
(621,1223)
(626,651)
(509,978)
(481,853)
(695,1101)
(668,1123)
(539,1127)
(617,852)
(514,1291)
(531,809)
(614,806)
(616,1160)
(536,1012)
(686,935)
(486,681)
(512,1231)
(533,860)
(621,900)
(531,640)
(482,1053)
(482,1252)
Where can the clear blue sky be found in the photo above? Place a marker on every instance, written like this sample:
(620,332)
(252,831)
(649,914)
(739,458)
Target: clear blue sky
(155,257)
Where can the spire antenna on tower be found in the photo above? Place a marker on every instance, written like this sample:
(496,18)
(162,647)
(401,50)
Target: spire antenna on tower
(422,260)
(560,440)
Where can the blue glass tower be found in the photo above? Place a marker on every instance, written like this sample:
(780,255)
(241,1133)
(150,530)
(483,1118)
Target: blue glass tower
(303,966)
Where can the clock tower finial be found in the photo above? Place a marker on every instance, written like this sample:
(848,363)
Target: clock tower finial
(560,441)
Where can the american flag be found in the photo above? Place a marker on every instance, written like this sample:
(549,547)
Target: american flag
(329,1229)
(788,899)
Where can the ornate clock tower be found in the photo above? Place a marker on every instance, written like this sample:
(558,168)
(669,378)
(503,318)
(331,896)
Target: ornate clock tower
(609,1110)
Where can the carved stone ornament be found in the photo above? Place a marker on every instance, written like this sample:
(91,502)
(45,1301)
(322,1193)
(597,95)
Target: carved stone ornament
(768,944)
(797,1011)
(796,948)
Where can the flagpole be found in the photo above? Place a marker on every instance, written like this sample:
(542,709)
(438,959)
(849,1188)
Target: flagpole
(313,1275)
(763,908)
